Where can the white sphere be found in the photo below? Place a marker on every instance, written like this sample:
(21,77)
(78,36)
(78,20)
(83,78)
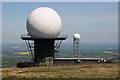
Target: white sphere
(76,36)
(44,21)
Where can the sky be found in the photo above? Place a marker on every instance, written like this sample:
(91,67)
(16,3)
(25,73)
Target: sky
(94,21)
(59,0)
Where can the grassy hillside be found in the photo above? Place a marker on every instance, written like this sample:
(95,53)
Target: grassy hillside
(78,71)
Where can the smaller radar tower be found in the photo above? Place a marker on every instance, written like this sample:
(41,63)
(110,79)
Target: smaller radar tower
(76,45)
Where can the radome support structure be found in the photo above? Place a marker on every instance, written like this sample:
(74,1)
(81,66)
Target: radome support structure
(44,47)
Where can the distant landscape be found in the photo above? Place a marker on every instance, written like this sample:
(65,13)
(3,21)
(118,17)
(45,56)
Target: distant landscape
(10,57)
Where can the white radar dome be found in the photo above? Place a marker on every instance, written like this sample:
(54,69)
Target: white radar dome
(76,36)
(44,21)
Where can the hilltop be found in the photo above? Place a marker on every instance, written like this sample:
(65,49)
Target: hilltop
(74,71)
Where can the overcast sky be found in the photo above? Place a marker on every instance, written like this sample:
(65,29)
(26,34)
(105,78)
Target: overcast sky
(96,22)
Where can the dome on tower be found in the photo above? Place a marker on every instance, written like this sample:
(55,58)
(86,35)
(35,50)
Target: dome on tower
(44,21)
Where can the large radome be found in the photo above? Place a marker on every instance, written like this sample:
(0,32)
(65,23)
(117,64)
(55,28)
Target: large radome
(44,21)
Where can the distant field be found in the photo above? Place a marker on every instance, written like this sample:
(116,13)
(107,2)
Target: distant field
(22,53)
(78,71)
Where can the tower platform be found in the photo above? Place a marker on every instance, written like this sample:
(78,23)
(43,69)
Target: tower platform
(61,37)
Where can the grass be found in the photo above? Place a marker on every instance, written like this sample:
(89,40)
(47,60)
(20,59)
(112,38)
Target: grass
(78,71)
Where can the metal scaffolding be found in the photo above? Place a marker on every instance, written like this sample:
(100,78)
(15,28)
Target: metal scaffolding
(76,46)
(43,49)
(30,47)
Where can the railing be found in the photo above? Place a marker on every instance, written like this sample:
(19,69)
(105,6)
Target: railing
(60,36)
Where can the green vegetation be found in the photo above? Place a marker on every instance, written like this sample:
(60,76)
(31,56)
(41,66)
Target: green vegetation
(22,53)
(76,71)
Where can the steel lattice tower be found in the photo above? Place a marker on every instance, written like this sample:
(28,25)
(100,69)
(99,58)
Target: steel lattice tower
(76,46)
